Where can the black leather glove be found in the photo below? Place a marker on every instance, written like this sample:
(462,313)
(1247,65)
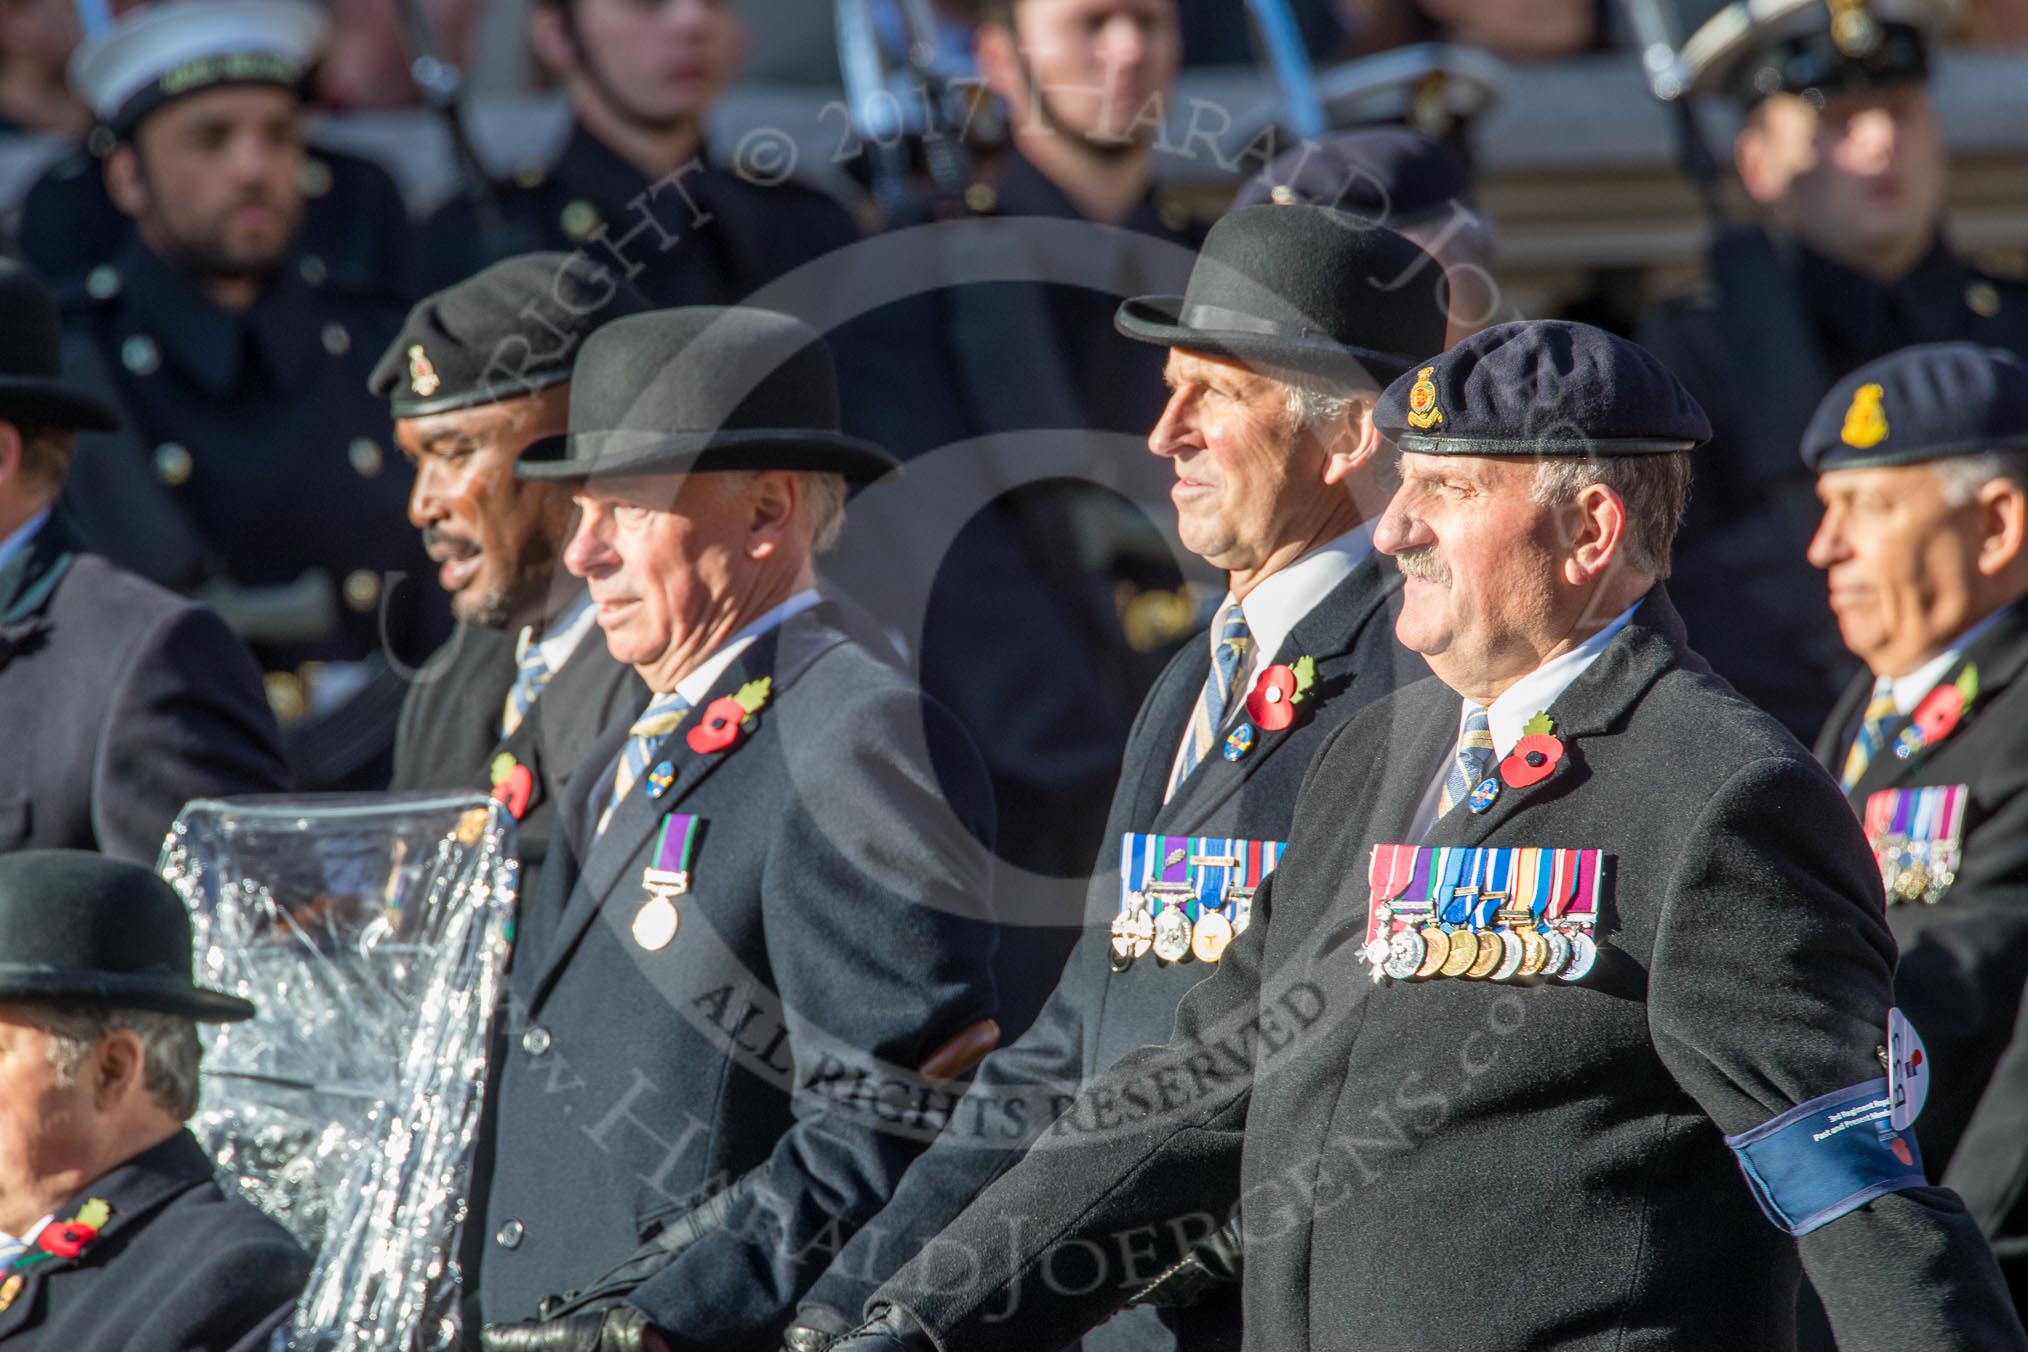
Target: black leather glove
(816,1328)
(891,1330)
(621,1328)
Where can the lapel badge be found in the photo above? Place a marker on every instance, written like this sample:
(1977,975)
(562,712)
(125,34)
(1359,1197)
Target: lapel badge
(9,1289)
(1865,421)
(1422,400)
(1238,742)
(1535,757)
(660,778)
(726,718)
(422,374)
(1272,701)
(1483,795)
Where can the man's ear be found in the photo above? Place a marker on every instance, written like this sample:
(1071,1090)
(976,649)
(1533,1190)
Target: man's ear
(118,1066)
(771,511)
(1598,534)
(1354,442)
(2003,522)
(124,181)
(549,37)
(998,53)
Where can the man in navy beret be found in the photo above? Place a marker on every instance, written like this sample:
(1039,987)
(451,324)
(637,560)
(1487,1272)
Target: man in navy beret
(1922,465)
(1573,980)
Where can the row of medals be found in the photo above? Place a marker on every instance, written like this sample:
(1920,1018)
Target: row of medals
(1514,950)
(1171,933)
(1916,870)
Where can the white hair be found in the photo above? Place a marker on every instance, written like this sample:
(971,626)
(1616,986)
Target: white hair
(1962,476)
(824,505)
(171,1050)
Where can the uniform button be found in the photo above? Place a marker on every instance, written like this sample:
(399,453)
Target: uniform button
(509,1235)
(315,179)
(313,270)
(535,1041)
(981,199)
(336,340)
(579,220)
(530,175)
(364,453)
(173,464)
(1984,298)
(101,142)
(1175,216)
(286,696)
(140,355)
(103,282)
(362,590)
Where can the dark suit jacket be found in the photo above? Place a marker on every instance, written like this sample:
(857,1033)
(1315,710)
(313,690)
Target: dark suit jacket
(1963,960)
(1399,1146)
(178,1267)
(1097,1015)
(834,929)
(119,703)
(1990,1169)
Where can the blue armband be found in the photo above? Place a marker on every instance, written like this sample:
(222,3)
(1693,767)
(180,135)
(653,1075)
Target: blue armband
(1826,1157)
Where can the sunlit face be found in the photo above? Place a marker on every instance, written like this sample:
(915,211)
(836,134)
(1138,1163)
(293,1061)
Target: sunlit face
(1900,561)
(495,539)
(213,180)
(46,1130)
(1096,70)
(1861,178)
(1243,473)
(1481,561)
(665,60)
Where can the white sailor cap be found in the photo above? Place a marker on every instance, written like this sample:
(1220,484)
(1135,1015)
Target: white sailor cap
(1753,48)
(167,50)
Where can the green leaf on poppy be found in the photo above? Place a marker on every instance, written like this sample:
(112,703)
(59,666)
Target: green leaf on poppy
(94,1213)
(1305,672)
(754,695)
(1542,725)
(1968,682)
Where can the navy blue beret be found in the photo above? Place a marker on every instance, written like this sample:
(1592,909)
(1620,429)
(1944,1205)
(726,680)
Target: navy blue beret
(1921,403)
(1541,387)
(1387,176)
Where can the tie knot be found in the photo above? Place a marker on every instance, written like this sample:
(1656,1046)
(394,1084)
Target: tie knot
(661,716)
(1478,729)
(1234,629)
(1883,704)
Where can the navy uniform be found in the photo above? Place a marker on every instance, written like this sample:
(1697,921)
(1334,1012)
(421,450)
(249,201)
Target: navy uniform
(709,234)
(119,701)
(151,1256)
(1775,325)
(781,912)
(1239,797)
(1580,1158)
(255,468)
(1943,796)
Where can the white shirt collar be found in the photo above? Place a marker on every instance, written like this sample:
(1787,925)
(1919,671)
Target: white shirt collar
(1909,690)
(561,635)
(18,541)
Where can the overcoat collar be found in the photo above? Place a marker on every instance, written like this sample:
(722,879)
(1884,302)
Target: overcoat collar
(29,580)
(213,346)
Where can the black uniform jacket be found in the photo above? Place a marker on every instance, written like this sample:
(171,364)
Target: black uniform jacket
(177,1267)
(832,936)
(1474,1166)
(1964,959)
(1990,1168)
(119,703)
(1097,1014)
(1777,326)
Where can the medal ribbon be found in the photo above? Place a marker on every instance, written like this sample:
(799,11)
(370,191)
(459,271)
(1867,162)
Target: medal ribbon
(1392,870)
(1457,909)
(1953,814)
(1562,878)
(1926,804)
(1499,881)
(1590,868)
(676,843)
(1880,808)
(1137,862)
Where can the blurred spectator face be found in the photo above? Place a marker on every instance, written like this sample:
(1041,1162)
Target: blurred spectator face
(1095,71)
(366,63)
(1909,569)
(662,62)
(495,539)
(1861,179)
(212,180)
(38,33)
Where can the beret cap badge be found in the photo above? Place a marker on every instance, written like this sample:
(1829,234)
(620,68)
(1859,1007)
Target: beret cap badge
(1865,421)
(1422,400)
(422,376)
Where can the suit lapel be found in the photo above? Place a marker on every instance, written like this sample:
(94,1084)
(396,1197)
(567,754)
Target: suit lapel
(1843,724)
(1999,654)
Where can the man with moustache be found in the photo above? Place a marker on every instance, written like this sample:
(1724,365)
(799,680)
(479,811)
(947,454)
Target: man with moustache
(764,923)
(1276,356)
(523,688)
(1841,150)
(254,470)
(1573,970)
(634,185)
(1922,465)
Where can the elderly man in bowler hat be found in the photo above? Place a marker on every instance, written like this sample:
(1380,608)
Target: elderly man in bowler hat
(1275,357)
(119,701)
(1574,978)
(113,1235)
(762,940)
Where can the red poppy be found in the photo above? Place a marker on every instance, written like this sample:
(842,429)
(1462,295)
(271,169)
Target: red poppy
(1901,1151)
(1938,714)
(66,1239)
(719,728)
(1533,759)
(1272,702)
(514,790)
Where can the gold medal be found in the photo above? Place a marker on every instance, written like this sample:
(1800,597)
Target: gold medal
(1210,935)
(1490,953)
(1534,952)
(1436,951)
(655,923)
(9,1289)
(1464,952)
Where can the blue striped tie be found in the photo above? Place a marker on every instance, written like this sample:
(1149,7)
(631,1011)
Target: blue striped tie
(1469,766)
(1882,713)
(662,716)
(531,673)
(1228,659)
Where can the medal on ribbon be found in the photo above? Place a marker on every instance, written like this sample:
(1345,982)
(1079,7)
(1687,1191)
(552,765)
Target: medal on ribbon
(665,880)
(1916,835)
(1186,896)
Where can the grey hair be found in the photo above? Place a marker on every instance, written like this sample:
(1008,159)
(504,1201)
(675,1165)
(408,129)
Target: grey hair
(171,1050)
(1655,489)
(824,502)
(1311,407)
(1962,476)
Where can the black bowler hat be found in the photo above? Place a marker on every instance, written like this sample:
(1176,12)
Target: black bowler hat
(81,929)
(703,387)
(1752,48)
(1928,402)
(510,331)
(1387,176)
(1303,288)
(1541,387)
(31,360)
